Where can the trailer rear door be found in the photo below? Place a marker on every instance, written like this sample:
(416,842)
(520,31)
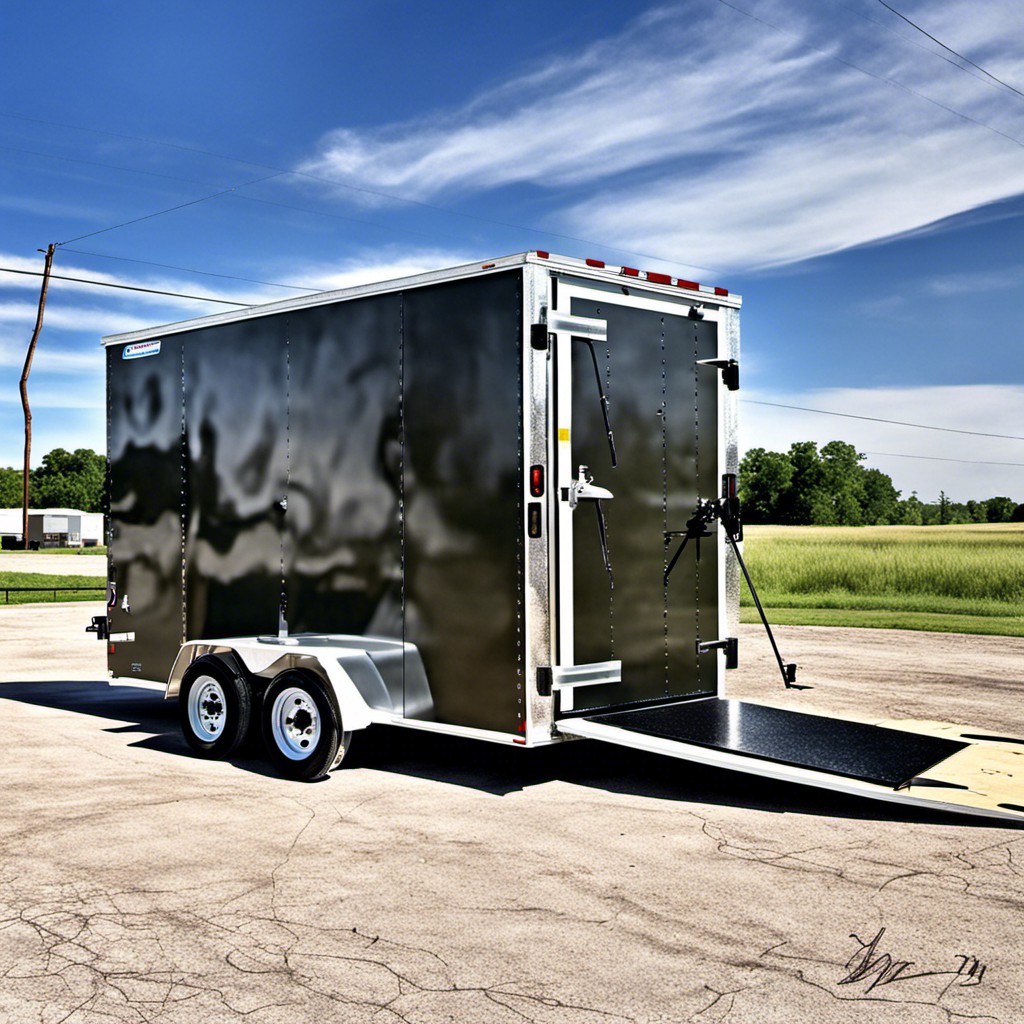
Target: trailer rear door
(636,407)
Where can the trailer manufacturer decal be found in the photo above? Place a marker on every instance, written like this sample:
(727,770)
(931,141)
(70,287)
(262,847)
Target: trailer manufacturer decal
(140,350)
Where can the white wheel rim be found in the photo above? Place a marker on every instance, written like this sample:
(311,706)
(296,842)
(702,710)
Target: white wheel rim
(207,709)
(295,723)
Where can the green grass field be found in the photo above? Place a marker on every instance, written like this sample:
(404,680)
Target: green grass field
(38,579)
(950,579)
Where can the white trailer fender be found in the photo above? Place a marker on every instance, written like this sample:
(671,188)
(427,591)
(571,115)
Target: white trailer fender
(355,668)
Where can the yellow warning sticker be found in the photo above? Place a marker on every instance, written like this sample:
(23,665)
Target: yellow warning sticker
(563,433)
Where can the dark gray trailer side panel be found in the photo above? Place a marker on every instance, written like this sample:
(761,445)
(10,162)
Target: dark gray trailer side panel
(358,462)
(145,453)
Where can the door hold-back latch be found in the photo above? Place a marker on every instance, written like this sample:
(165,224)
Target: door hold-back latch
(730,645)
(730,371)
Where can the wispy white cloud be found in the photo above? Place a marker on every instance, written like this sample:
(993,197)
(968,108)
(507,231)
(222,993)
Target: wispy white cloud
(97,320)
(967,463)
(385,264)
(51,359)
(718,138)
(972,283)
(85,393)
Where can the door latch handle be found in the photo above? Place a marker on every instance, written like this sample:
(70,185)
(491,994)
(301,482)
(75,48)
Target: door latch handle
(583,488)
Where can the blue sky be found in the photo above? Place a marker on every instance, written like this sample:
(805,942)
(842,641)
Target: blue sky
(822,158)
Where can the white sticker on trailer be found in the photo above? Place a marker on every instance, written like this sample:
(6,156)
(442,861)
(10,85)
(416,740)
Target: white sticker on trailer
(140,350)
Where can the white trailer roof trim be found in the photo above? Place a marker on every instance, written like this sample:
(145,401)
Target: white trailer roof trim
(663,284)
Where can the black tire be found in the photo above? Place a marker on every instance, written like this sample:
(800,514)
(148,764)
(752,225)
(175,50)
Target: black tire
(301,729)
(214,707)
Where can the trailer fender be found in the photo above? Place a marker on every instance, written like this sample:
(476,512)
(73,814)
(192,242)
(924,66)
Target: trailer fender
(263,662)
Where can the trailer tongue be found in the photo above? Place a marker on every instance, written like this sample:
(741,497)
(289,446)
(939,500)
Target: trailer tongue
(497,501)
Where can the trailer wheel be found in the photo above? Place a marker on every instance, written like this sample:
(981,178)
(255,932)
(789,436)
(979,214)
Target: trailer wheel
(301,729)
(215,706)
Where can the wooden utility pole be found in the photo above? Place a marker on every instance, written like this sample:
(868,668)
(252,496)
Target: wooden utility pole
(24,392)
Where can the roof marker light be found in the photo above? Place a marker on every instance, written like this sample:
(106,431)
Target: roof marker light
(721,291)
(595,263)
(543,254)
(658,278)
(630,271)
(692,285)
(486,266)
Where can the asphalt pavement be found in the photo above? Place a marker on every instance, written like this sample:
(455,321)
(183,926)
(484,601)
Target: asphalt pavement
(431,879)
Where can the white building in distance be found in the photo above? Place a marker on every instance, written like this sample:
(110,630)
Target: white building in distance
(52,528)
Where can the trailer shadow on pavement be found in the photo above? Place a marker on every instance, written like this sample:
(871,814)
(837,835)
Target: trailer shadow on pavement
(485,767)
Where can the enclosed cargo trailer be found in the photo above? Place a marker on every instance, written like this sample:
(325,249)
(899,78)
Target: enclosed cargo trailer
(495,501)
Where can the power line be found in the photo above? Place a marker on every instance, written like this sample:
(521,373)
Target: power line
(949,49)
(170,209)
(918,46)
(937,458)
(878,419)
(192,270)
(122,287)
(872,74)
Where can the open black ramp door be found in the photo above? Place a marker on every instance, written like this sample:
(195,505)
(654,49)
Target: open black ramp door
(926,764)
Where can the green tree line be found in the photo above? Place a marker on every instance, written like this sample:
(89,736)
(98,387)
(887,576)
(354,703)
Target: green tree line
(65,479)
(830,487)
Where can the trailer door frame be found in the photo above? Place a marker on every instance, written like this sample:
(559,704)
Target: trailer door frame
(563,327)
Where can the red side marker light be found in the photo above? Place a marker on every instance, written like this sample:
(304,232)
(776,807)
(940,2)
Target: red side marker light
(543,254)
(487,266)
(658,278)
(692,285)
(595,263)
(630,271)
(536,481)
(721,291)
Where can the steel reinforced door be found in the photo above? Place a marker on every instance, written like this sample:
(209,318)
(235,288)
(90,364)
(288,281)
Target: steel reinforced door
(639,358)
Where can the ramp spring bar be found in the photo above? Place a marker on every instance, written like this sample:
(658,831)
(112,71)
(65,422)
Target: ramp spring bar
(697,527)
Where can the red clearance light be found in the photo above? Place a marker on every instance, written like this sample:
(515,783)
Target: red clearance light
(692,285)
(543,254)
(537,481)
(521,728)
(630,271)
(486,266)
(595,263)
(721,291)
(658,278)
